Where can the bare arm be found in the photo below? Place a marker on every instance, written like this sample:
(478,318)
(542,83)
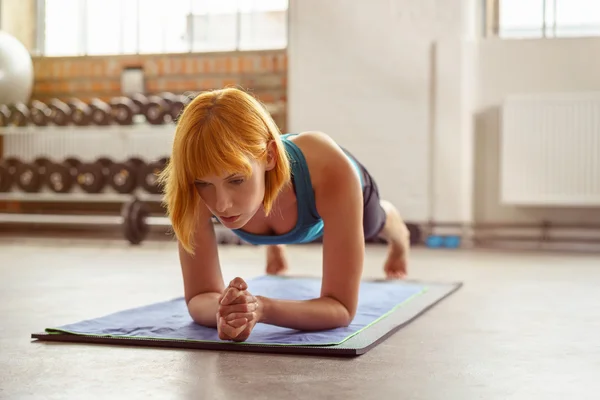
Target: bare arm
(339,202)
(202,279)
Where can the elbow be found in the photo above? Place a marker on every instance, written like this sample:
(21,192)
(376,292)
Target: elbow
(345,314)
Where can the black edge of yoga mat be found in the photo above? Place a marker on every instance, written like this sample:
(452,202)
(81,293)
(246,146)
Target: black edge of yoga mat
(357,345)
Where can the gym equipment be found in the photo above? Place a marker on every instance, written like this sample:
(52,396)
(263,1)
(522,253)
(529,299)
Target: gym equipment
(385,307)
(16,71)
(123,177)
(123,110)
(156,110)
(415,233)
(4,115)
(434,241)
(140,102)
(28,178)
(149,174)
(19,115)
(60,112)
(6,180)
(39,113)
(135,227)
(81,113)
(101,112)
(61,177)
(91,177)
(452,241)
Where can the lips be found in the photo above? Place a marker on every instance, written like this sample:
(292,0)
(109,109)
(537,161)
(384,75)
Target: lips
(229,219)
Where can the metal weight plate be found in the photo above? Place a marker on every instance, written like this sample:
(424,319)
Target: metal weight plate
(176,107)
(60,112)
(40,113)
(12,163)
(59,177)
(42,163)
(91,177)
(101,112)
(156,110)
(123,110)
(6,180)
(148,177)
(140,101)
(4,115)
(122,177)
(81,113)
(135,228)
(28,178)
(19,115)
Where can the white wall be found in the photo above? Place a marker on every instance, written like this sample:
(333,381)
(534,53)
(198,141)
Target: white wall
(375,76)
(404,86)
(524,66)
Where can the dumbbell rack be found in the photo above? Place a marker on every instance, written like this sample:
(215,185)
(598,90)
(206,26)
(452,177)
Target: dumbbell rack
(87,144)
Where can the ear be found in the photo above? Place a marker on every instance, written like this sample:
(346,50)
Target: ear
(271,155)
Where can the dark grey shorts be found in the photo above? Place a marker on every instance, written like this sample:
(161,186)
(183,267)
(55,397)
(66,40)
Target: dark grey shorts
(373,214)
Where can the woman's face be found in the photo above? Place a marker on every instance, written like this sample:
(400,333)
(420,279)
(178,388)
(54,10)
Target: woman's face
(234,199)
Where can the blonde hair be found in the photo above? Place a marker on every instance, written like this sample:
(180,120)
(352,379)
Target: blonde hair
(218,132)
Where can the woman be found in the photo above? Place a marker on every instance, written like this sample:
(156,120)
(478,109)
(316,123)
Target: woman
(230,161)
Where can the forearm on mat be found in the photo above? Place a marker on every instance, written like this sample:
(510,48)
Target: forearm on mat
(306,315)
(203,309)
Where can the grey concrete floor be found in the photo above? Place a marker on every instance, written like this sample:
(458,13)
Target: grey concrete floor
(525,326)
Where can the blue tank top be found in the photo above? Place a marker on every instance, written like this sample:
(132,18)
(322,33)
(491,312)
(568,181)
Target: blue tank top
(310,224)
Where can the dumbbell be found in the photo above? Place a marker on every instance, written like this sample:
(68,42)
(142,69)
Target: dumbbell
(81,113)
(60,112)
(123,176)
(8,168)
(4,115)
(156,110)
(123,110)
(92,177)
(140,101)
(175,102)
(40,113)
(61,177)
(19,115)
(149,175)
(30,177)
(101,112)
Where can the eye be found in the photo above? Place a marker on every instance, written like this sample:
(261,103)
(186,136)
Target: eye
(238,181)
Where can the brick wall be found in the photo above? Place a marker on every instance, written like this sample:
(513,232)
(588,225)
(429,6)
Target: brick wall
(264,73)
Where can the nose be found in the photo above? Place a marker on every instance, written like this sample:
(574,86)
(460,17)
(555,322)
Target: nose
(223,202)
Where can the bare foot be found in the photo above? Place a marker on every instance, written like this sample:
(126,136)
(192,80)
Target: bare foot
(395,265)
(276,260)
(397,236)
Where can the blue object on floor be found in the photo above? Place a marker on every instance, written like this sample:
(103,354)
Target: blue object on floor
(434,241)
(170,319)
(452,242)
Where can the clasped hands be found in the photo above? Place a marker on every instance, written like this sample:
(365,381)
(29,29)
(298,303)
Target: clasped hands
(238,313)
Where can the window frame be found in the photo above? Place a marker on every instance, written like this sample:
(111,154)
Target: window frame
(40,38)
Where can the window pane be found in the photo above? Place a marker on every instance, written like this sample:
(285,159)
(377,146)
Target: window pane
(151,17)
(175,17)
(103,27)
(213,25)
(130,23)
(577,17)
(263,30)
(520,18)
(63,28)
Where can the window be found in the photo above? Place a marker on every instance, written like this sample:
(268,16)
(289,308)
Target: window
(102,27)
(548,18)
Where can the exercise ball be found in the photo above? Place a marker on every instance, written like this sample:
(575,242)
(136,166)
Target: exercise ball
(16,71)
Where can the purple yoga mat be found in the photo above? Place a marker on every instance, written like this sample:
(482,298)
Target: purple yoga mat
(170,319)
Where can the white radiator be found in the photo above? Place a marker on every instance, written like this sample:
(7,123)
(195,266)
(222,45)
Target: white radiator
(550,150)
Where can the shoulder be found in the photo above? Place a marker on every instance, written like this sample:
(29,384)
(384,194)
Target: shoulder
(328,165)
